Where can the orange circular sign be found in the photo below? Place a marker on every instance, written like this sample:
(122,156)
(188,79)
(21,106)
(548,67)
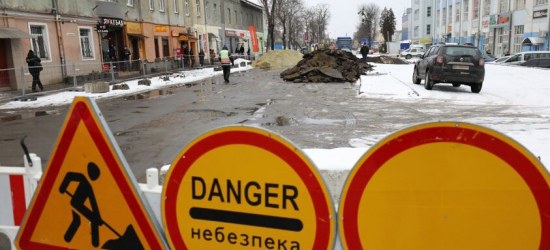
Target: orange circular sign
(446,186)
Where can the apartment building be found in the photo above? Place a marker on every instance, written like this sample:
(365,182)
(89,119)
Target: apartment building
(498,27)
(422,18)
(62,32)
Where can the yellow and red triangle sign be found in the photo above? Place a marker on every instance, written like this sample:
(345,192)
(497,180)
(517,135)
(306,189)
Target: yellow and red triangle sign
(88,197)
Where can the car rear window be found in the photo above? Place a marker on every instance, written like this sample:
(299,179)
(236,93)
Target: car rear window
(460,51)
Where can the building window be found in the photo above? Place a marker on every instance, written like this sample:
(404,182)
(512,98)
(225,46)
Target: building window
(520,4)
(206,10)
(486,7)
(428,29)
(165,47)
(518,38)
(176,7)
(161,5)
(437,21)
(86,41)
(416,31)
(466,10)
(540,2)
(429,11)
(457,14)
(130,2)
(503,6)
(450,16)
(229,14)
(40,41)
(215,14)
(152,4)
(416,14)
(198,7)
(444,15)
(187,7)
(475,9)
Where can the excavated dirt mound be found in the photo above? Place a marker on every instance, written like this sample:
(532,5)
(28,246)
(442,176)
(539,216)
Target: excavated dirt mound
(327,66)
(278,59)
(386,60)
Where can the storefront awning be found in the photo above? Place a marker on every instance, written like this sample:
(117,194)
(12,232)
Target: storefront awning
(211,35)
(9,33)
(183,38)
(138,35)
(531,41)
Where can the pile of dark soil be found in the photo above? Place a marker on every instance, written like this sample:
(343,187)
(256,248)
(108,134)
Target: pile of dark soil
(327,66)
(386,60)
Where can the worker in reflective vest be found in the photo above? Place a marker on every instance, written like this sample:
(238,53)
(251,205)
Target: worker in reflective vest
(225,58)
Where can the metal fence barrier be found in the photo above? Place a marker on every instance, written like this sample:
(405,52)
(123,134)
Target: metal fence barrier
(73,76)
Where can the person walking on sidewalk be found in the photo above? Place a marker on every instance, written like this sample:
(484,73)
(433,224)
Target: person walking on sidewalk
(127,62)
(225,56)
(364,51)
(35,67)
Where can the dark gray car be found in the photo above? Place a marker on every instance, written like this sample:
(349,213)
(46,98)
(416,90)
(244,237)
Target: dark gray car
(453,64)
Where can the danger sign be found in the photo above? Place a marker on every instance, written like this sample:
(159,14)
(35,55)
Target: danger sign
(245,188)
(446,186)
(87,198)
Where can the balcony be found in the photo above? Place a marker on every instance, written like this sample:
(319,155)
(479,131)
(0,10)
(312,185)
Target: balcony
(109,9)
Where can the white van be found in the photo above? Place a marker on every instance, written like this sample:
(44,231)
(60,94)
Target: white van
(522,57)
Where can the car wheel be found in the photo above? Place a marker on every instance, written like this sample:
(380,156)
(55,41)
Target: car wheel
(416,80)
(408,56)
(476,87)
(456,85)
(428,83)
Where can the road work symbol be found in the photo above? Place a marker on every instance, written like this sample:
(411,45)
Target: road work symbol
(87,197)
(85,192)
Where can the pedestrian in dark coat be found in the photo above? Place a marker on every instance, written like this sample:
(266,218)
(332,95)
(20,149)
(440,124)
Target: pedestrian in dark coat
(242,49)
(364,51)
(225,59)
(35,66)
(201,57)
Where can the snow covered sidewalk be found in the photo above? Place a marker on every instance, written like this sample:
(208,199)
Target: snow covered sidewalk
(66,97)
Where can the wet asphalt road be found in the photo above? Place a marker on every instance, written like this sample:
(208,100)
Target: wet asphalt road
(152,128)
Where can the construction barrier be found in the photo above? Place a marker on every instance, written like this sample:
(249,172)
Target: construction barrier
(17,186)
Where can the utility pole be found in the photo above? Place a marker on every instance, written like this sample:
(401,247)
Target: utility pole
(461,13)
(223,21)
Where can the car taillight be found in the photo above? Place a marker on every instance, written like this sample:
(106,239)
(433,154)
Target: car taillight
(481,62)
(439,60)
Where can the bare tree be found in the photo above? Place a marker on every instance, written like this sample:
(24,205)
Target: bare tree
(370,17)
(322,16)
(270,9)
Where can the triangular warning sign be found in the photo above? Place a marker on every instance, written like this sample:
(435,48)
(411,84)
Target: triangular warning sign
(88,197)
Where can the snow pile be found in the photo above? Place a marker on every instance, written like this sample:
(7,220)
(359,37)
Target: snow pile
(278,59)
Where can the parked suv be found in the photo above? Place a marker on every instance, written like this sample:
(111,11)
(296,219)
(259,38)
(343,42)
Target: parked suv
(456,64)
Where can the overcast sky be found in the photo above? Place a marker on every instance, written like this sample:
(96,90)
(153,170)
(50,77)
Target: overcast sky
(344,18)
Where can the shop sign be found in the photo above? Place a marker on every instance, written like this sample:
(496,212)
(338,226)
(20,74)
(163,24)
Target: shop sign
(112,22)
(174,33)
(231,33)
(425,40)
(133,28)
(449,28)
(493,20)
(102,29)
(540,13)
(503,19)
(160,29)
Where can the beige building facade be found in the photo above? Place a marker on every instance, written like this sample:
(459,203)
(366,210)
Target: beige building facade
(93,32)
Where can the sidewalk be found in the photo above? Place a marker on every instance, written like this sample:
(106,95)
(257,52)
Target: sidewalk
(10,95)
(60,94)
